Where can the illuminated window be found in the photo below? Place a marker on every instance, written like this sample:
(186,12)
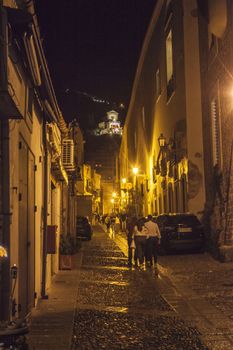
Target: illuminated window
(169,64)
(215,131)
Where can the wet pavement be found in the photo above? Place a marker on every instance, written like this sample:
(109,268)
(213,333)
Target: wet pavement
(122,308)
(102,304)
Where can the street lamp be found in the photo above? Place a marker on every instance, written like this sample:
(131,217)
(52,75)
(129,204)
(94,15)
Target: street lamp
(162,140)
(135,170)
(3,252)
(167,153)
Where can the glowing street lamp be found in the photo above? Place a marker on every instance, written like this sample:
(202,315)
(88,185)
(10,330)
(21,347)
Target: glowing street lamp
(114,194)
(3,252)
(135,171)
(124,180)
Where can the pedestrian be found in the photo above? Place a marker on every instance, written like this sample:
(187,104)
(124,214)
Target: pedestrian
(123,222)
(107,223)
(117,224)
(132,253)
(140,236)
(152,243)
(112,226)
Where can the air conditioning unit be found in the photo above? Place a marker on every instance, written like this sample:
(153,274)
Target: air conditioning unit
(68,154)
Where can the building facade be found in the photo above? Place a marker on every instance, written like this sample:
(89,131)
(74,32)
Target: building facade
(37,161)
(164,115)
(216,49)
(179,123)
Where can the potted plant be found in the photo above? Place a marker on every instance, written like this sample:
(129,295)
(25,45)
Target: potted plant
(67,248)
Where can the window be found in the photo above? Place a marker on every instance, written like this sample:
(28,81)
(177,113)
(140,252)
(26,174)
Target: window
(215,132)
(169,63)
(157,84)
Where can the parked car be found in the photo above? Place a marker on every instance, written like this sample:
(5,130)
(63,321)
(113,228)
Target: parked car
(83,228)
(181,232)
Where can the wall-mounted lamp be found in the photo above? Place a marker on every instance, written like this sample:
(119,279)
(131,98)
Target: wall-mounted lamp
(167,152)
(3,252)
(162,140)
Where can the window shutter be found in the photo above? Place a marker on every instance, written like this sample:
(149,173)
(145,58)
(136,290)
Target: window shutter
(68,154)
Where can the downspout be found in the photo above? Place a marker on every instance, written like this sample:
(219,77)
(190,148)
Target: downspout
(29,6)
(45,215)
(5,231)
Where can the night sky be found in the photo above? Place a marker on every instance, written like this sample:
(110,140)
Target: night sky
(92,48)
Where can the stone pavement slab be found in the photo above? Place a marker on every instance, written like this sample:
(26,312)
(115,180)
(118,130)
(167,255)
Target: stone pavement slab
(52,320)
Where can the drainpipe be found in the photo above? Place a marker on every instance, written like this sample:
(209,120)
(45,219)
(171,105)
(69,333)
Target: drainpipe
(5,230)
(45,215)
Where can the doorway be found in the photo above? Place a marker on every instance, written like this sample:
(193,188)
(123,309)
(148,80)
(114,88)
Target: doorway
(26,228)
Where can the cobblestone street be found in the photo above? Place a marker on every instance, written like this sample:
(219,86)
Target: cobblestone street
(187,305)
(119,308)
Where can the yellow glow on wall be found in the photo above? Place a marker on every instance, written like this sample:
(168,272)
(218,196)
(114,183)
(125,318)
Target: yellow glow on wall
(3,252)
(151,165)
(135,170)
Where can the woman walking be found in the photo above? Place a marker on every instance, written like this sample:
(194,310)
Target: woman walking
(140,235)
(132,255)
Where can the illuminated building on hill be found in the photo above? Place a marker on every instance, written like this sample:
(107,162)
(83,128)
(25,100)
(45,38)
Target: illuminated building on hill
(111,126)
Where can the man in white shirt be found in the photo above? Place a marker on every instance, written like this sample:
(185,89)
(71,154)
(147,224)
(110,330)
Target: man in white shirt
(153,240)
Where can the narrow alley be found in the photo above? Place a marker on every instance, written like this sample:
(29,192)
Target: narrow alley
(121,308)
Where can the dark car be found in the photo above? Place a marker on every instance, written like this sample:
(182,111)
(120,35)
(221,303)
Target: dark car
(181,232)
(83,228)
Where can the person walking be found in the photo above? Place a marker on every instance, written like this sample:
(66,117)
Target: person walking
(107,223)
(123,222)
(140,236)
(132,254)
(153,240)
(117,224)
(112,226)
